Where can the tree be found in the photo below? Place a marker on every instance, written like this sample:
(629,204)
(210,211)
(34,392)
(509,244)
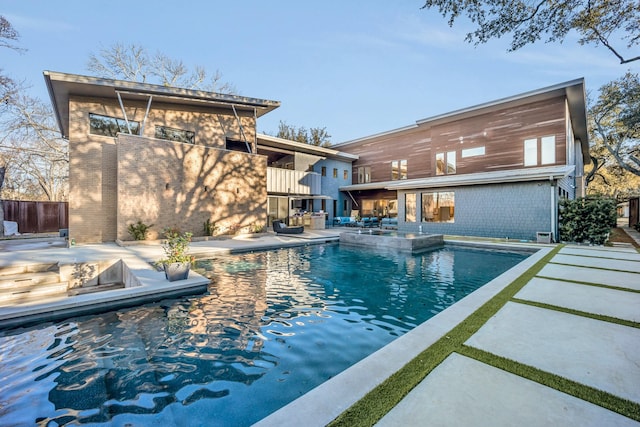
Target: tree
(615,124)
(600,22)
(135,63)
(614,182)
(8,89)
(8,35)
(314,136)
(36,155)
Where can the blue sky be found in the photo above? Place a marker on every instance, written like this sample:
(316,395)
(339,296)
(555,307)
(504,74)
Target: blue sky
(355,67)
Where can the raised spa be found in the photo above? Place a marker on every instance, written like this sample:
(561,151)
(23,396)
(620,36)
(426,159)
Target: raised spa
(381,239)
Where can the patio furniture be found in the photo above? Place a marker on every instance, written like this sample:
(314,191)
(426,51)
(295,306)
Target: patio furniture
(344,221)
(368,222)
(391,223)
(280,228)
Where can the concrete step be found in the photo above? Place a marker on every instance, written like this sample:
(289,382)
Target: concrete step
(16,282)
(27,268)
(92,289)
(28,292)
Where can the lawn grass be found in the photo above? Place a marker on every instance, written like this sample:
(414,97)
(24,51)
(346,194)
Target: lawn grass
(373,406)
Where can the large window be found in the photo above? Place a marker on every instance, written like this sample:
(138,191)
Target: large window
(446,163)
(438,206)
(178,135)
(379,207)
(110,126)
(546,148)
(475,151)
(530,152)
(364,174)
(398,169)
(410,207)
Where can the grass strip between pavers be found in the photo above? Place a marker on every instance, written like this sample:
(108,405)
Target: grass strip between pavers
(375,404)
(598,397)
(602,317)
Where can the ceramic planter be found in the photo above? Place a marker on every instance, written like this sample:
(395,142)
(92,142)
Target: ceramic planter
(176,270)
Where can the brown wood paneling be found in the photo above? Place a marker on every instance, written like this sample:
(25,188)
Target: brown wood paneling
(11,210)
(412,145)
(63,215)
(634,211)
(501,132)
(28,218)
(47,216)
(36,217)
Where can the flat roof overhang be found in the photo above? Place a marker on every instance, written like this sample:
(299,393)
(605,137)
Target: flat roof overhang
(550,173)
(62,85)
(286,145)
(316,197)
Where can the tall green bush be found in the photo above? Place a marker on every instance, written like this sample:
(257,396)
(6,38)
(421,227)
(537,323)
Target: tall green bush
(587,219)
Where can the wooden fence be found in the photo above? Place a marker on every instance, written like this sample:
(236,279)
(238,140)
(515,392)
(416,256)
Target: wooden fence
(37,217)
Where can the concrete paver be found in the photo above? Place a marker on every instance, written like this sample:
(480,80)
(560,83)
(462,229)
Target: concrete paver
(599,354)
(595,262)
(591,275)
(590,299)
(629,254)
(465,392)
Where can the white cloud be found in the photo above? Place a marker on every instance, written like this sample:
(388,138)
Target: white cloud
(23,23)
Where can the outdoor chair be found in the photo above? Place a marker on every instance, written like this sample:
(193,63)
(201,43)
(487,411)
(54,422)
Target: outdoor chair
(280,228)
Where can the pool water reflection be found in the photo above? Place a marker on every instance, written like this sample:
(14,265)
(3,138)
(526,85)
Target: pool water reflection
(273,325)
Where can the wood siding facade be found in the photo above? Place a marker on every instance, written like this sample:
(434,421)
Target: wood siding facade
(502,134)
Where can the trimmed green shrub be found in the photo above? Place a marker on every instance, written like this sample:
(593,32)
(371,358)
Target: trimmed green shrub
(139,230)
(587,219)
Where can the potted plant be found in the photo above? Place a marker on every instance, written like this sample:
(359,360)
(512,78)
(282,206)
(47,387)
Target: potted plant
(177,261)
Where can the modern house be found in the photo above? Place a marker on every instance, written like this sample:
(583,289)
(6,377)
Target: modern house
(173,157)
(165,156)
(305,178)
(497,169)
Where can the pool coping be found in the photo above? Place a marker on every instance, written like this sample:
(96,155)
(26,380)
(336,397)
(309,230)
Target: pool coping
(142,285)
(321,405)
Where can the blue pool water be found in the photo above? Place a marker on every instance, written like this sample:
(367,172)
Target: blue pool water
(273,325)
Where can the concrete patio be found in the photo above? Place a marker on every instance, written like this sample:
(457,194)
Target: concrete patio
(603,355)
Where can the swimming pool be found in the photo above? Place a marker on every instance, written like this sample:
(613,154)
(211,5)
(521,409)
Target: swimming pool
(274,325)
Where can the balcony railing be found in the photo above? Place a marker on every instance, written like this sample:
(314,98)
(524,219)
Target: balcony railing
(293,182)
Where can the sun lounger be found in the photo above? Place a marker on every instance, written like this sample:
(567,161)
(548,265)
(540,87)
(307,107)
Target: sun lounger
(281,228)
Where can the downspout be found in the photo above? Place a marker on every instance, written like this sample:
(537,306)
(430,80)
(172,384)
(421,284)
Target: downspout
(554,209)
